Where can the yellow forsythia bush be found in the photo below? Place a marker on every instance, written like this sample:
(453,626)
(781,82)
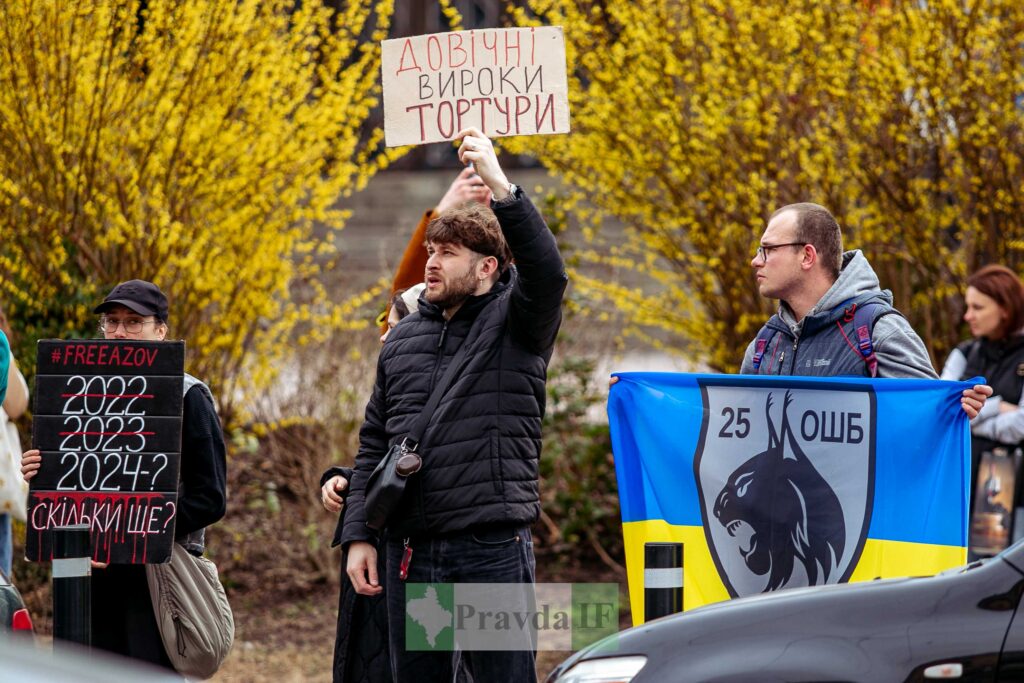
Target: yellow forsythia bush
(693,121)
(193,143)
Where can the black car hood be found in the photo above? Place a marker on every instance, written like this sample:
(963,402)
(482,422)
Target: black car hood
(867,622)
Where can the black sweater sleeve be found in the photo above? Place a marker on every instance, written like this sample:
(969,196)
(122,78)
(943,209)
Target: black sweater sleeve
(202,493)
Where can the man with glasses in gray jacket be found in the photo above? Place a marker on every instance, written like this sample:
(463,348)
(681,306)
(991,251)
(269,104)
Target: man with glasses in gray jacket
(817,330)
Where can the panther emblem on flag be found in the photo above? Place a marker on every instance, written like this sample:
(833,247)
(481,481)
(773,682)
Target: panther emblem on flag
(785,484)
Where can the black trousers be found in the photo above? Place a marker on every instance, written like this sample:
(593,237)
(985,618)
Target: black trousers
(122,615)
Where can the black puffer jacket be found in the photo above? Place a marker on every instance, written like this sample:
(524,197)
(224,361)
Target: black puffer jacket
(482,445)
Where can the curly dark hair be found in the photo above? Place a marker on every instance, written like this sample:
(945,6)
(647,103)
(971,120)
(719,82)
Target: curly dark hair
(472,226)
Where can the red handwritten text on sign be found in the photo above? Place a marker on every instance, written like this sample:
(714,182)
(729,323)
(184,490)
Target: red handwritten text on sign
(502,81)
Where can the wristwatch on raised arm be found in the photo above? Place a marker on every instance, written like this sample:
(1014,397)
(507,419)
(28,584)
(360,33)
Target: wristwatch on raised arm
(513,189)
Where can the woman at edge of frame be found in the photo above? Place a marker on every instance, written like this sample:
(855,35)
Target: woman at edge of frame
(994,311)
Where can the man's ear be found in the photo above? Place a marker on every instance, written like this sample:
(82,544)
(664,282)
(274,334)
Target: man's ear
(487,267)
(810,257)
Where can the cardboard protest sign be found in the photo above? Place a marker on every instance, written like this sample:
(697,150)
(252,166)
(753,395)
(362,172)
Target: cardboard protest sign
(503,81)
(107,421)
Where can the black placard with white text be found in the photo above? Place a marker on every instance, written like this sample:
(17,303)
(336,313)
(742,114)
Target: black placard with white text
(107,420)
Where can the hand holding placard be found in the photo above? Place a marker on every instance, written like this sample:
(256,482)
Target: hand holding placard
(477,148)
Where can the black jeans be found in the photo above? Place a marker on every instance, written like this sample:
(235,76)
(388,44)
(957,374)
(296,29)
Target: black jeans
(123,621)
(494,555)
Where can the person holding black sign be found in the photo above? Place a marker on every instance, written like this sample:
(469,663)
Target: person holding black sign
(466,515)
(122,612)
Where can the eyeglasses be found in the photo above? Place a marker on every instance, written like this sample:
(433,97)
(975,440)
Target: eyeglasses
(764,249)
(131,325)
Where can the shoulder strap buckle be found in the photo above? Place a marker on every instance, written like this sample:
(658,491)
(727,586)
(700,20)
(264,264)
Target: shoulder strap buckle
(863,319)
(759,346)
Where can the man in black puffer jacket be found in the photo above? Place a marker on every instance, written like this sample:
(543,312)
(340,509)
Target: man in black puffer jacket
(466,514)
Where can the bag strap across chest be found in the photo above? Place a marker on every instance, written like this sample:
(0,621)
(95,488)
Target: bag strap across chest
(863,316)
(412,440)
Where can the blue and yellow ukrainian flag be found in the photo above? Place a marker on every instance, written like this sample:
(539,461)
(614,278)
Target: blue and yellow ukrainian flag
(692,450)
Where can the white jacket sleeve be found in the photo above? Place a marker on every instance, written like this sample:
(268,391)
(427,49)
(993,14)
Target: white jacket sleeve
(955,365)
(1005,428)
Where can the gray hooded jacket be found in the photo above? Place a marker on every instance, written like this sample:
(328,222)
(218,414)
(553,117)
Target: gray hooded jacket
(823,345)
